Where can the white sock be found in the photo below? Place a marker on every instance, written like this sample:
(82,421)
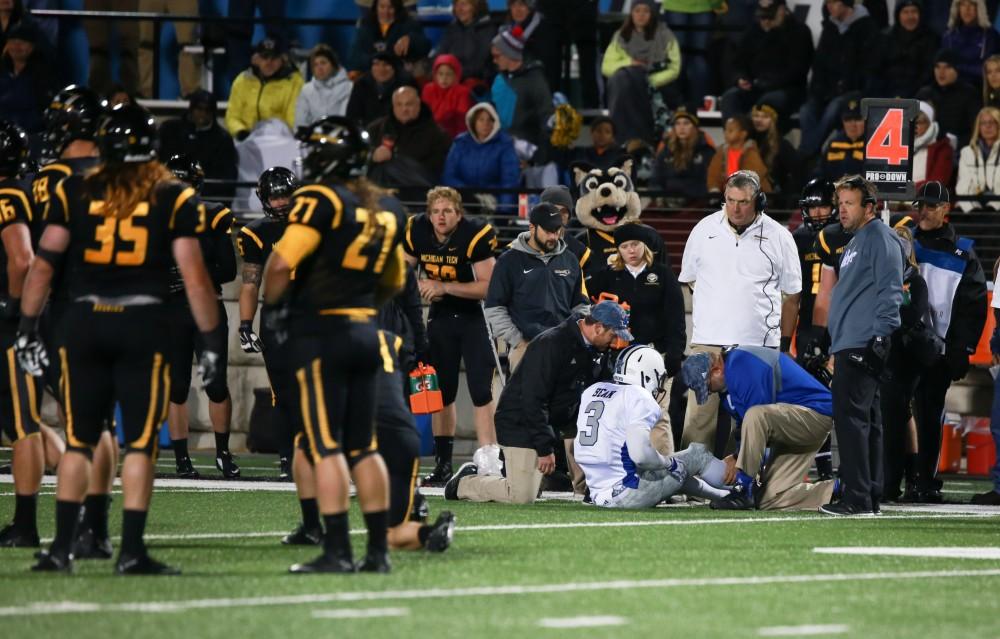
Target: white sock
(696,487)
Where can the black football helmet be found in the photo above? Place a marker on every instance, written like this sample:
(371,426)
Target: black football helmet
(127,135)
(334,147)
(817,192)
(275,183)
(74,114)
(14,160)
(187,170)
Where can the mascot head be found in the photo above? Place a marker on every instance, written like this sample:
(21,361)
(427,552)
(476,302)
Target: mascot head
(607,198)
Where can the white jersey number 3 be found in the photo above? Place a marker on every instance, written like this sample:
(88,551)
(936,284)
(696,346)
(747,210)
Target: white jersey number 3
(588,435)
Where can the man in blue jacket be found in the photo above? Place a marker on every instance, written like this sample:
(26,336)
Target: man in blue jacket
(776,405)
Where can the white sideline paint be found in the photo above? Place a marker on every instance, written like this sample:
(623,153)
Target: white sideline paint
(360,613)
(802,631)
(581,622)
(182,605)
(944,552)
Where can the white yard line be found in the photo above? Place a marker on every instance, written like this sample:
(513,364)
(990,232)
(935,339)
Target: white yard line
(360,613)
(944,552)
(802,631)
(182,605)
(582,622)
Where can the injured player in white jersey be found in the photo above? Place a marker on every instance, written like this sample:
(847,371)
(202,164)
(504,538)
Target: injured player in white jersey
(613,448)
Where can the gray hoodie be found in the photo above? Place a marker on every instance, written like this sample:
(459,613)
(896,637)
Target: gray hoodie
(869,290)
(531,291)
(320,98)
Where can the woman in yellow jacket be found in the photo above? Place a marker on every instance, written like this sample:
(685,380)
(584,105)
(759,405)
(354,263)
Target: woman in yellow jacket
(268,89)
(643,53)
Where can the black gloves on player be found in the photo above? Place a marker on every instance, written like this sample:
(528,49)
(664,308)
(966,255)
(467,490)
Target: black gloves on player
(249,341)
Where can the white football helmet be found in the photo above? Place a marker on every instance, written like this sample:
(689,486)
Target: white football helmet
(641,365)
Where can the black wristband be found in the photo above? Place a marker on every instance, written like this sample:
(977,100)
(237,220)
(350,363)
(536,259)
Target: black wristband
(27,324)
(246,325)
(213,341)
(786,344)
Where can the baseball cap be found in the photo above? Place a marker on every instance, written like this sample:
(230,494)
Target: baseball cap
(613,316)
(851,110)
(933,192)
(768,8)
(558,195)
(546,216)
(694,372)
(269,48)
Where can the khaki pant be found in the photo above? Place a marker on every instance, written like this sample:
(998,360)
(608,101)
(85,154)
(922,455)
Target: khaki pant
(700,421)
(794,434)
(515,355)
(575,472)
(662,435)
(520,486)
(99,39)
(188,67)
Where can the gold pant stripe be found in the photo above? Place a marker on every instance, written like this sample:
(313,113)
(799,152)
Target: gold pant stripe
(383,349)
(321,417)
(154,383)
(370,448)
(413,489)
(12,370)
(300,376)
(67,404)
(166,397)
(29,382)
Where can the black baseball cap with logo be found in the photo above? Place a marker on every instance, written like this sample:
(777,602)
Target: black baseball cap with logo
(546,216)
(932,193)
(768,8)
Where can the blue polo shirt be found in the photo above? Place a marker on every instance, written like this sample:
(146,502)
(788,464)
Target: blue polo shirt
(757,376)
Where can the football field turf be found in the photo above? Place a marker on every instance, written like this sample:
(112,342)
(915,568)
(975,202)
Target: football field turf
(554,569)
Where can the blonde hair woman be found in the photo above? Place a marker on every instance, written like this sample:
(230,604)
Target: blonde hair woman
(979,162)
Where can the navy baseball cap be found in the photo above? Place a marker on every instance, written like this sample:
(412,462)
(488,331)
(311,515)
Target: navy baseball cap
(613,316)
(546,216)
(694,372)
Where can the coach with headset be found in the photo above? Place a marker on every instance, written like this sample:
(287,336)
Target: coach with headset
(743,268)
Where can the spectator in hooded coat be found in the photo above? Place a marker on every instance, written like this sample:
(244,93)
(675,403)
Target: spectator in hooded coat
(955,101)
(933,155)
(329,90)
(26,79)
(971,37)
(448,99)
(907,52)
(387,28)
(468,38)
(198,135)
(483,156)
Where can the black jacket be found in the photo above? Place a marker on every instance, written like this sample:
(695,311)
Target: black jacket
(403,315)
(471,45)
(841,62)
(691,181)
(213,148)
(955,107)
(543,394)
(968,311)
(906,59)
(778,59)
(656,307)
(370,100)
(421,139)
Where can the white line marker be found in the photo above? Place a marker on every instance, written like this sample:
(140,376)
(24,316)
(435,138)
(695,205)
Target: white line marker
(360,613)
(581,622)
(802,631)
(182,605)
(945,552)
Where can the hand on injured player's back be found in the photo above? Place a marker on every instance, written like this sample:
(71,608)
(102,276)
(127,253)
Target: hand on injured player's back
(730,476)
(547,464)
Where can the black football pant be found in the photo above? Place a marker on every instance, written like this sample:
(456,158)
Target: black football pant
(858,423)
(928,410)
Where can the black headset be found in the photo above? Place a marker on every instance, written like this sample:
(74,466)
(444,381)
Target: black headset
(759,198)
(857,182)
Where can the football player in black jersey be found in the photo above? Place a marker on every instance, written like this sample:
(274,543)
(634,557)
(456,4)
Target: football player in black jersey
(20,394)
(71,122)
(256,241)
(116,232)
(455,254)
(343,242)
(185,340)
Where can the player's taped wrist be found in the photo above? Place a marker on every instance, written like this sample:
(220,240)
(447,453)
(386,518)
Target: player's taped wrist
(246,325)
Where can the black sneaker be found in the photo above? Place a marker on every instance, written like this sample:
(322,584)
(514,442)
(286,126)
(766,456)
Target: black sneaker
(442,473)
(375,562)
(143,565)
(49,561)
(845,509)
(989,498)
(284,469)
(442,532)
(88,546)
(735,500)
(225,464)
(930,496)
(303,536)
(324,564)
(465,470)
(876,508)
(13,537)
(587,499)
(185,469)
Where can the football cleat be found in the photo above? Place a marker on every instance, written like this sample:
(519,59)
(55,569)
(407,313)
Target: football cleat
(225,464)
(465,470)
(735,500)
(284,469)
(50,561)
(303,536)
(442,533)
(88,546)
(185,469)
(324,564)
(143,565)
(845,509)
(440,476)
(375,562)
(13,537)
(989,498)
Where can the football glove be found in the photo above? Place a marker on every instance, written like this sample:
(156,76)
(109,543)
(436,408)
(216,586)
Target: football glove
(274,317)
(31,353)
(209,362)
(249,341)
